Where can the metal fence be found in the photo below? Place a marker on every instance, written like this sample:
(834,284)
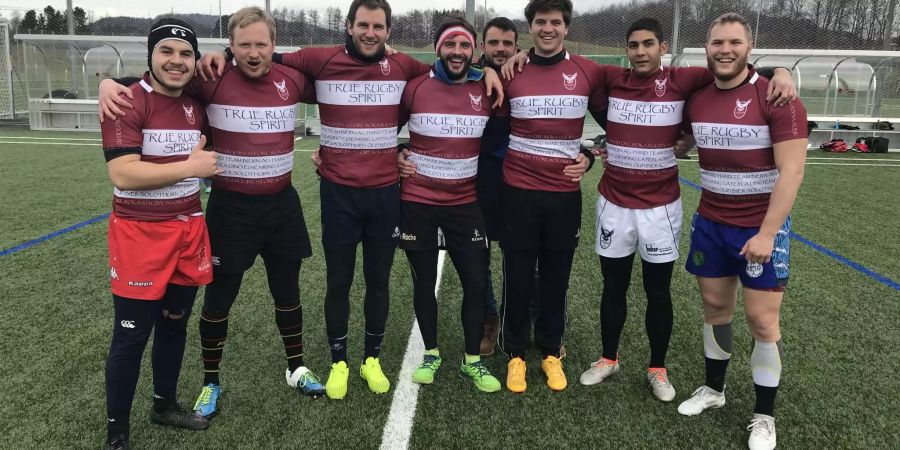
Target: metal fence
(599,24)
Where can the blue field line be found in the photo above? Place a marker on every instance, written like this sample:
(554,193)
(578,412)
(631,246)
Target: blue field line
(825,251)
(52,235)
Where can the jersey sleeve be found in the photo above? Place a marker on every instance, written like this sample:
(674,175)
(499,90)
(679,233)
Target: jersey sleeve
(406,100)
(123,136)
(412,67)
(599,75)
(308,61)
(202,91)
(692,79)
(787,122)
(504,109)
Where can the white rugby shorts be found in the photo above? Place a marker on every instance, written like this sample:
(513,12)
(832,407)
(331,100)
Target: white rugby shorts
(655,232)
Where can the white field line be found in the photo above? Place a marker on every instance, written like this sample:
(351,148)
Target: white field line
(399,424)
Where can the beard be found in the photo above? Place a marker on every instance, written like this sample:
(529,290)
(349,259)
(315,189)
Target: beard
(740,62)
(445,60)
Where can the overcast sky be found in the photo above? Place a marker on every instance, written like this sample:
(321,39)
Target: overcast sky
(148,8)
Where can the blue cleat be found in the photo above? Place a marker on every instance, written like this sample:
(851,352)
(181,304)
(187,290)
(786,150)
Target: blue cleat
(207,404)
(306,382)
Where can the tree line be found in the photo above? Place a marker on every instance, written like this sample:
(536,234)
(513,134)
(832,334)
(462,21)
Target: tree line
(856,24)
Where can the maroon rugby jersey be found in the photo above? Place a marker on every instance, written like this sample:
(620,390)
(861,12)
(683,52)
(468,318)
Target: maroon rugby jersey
(446,123)
(644,119)
(162,130)
(547,103)
(359,109)
(735,130)
(252,123)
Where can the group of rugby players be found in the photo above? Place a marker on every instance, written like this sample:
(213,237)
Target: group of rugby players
(487,160)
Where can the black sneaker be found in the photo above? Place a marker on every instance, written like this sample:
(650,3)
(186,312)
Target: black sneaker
(119,443)
(178,417)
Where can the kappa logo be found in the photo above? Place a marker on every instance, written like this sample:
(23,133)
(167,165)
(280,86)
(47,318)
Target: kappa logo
(475,102)
(396,232)
(385,67)
(570,81)
(605,237)
(740,108)
(661,86)
(113,274)
(754,270)
(282,89)
(189,113)
(127,323)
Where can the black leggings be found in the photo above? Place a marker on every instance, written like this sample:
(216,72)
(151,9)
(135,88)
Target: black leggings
(518,283)
(284,284)
(340,266)
(613,306)
(471,266)
(134,321)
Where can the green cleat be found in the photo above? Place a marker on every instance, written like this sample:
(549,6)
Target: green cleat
(371,372)
(480,376)
(336,386)
(424,374)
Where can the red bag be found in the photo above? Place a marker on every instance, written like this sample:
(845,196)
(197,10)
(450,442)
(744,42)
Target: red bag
(835,146)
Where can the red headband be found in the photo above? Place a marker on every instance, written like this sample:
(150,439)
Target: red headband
(451,32)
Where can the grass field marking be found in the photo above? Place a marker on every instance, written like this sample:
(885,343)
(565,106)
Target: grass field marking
(398,428)
(827,252)
(52,235)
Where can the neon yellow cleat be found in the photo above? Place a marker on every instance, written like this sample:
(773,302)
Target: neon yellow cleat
(371,372)
(336,386)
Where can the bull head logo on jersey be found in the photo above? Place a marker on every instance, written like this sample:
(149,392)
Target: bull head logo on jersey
(569,81)
(740,108)
(661,87)
(385,67)
(189,113)
(282,89)
(475,102)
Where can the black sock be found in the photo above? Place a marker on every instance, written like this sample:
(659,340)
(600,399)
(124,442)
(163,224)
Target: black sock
(338,349)
(658,320)
(715,373)
(765,400)
(613,307)
(162,403)
(373,345)
(213,333)
(290,326)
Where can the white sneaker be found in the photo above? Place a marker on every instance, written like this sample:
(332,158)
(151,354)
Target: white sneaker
(762,432)
(701,400)
(600,370)
(662,388)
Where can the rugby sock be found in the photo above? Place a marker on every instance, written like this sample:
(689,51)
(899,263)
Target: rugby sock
(373,345)
(213,333)
(613,308)
(766,365)
(338,349)
(162,403)
(658,320)
(472,358)
(290,325)
(718,342)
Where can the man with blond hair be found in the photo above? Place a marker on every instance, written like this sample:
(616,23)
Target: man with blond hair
(253,209)
(751,166)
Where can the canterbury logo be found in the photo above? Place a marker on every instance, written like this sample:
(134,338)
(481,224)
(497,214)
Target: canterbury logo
(189,113)
(385,67)
(475,102)
(282,89)
(570,81)
(740,108)
(661,87)
(127,323)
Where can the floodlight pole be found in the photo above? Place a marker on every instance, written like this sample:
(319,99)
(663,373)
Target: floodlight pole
(676,24)
(470,11)
(269,6)
(70,16)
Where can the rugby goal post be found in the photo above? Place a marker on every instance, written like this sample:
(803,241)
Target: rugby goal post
(7,103)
